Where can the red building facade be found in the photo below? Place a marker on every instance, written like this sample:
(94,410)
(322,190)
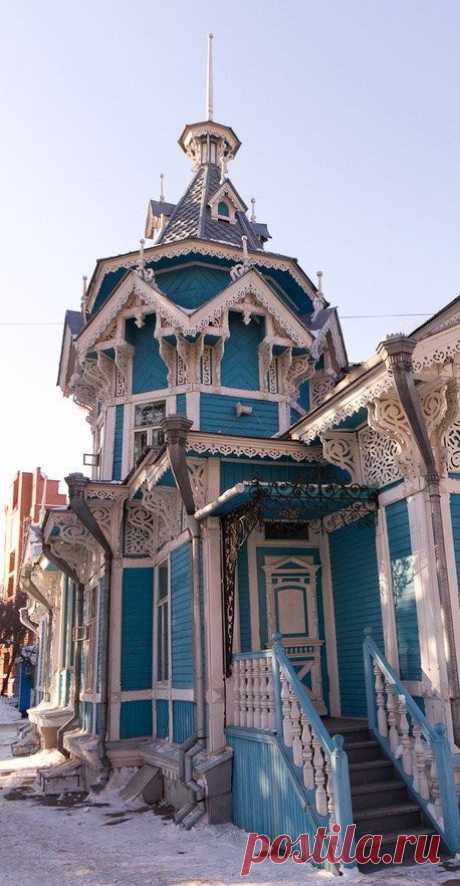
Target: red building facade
(30,492)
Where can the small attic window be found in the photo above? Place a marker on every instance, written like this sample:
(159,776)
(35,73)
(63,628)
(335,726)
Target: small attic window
(223,210)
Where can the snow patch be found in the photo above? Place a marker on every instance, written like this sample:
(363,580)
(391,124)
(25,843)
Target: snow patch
(8,712)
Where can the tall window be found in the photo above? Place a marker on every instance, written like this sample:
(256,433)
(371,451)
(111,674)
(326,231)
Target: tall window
(147,429)
(163,623)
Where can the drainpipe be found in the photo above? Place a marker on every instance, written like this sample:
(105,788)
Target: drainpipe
(176,428)
(397,353)
(77,484)
(74,720)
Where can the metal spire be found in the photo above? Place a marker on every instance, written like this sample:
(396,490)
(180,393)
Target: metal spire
(209,81)
(253,212)
(162,193)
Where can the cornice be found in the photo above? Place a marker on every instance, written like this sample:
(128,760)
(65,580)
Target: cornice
(154,253)
(203,443)
(343,404)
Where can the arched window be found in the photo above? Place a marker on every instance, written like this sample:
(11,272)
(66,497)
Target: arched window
(223,209)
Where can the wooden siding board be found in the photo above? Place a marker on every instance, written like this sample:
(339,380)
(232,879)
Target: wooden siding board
(243,600)
(402,572)
(162,718)
(149,371)
(118,443)
(181,617)
(455,517)
(356,593)
(135,719)
(240,363)
(183,720)
(191,287)
(217,415)
(136,628)
(270,806)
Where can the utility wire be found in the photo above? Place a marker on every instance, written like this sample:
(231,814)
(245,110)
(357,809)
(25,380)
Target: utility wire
(341,316)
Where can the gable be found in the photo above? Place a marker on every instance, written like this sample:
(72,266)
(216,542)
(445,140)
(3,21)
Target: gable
(190,287)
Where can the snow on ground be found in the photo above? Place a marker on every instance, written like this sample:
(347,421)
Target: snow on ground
(8,712)
(109,843)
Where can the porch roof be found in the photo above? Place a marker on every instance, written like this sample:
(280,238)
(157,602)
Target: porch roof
(288,501)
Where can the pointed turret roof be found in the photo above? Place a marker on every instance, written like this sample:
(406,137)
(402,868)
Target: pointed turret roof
(210,146)
(192,216)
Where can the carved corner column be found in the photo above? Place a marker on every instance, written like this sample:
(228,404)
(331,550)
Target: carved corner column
(213,617)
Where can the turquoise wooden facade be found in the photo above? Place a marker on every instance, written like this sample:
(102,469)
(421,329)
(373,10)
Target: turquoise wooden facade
(247,483)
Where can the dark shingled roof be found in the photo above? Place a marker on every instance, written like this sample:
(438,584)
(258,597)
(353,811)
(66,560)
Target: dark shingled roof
(191,216)
(74,320)
(159,207)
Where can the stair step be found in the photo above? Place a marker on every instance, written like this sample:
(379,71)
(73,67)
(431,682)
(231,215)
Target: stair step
(400,817)
(363,751)
(386,811)
(388,845)
(379,770)
(378,793)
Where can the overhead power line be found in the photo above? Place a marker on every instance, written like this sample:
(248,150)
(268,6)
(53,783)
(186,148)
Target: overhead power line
(342,317)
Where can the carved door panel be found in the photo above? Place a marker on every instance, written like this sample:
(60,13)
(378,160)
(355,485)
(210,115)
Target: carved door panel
(292,611)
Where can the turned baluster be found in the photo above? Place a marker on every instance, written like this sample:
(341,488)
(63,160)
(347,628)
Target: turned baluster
(264,717)
(270,700)
(307,754)
(330,789)
(393,733)
(405,737)
(320,777)
(236,692)
(250,693)
(295,729)
(286,710)
(380,701)
(242,691)
(434,792)
(420,779)
(257,693)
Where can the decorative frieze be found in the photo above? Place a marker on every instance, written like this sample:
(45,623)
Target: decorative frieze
(208,444)
(153,521)
(378,458)
(341,448)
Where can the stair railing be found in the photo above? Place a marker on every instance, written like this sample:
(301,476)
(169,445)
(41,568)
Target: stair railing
(419,750)
(321,757)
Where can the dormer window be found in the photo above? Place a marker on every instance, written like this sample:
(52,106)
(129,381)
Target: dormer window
(225,203)
(223,211)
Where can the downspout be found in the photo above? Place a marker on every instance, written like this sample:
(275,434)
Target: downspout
(77,484)
(176,428)
(74,720)
(397,353)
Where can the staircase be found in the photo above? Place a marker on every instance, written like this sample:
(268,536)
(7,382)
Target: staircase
(381,800)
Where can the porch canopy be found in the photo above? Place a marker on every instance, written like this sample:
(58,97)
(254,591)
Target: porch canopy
(252,502)
(282,500)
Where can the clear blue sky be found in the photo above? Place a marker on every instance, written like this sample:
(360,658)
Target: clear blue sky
(349,117)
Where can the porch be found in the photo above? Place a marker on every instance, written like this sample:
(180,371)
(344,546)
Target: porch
(388,773)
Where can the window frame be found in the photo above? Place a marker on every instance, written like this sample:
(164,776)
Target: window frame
(162,674)
(147,429)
